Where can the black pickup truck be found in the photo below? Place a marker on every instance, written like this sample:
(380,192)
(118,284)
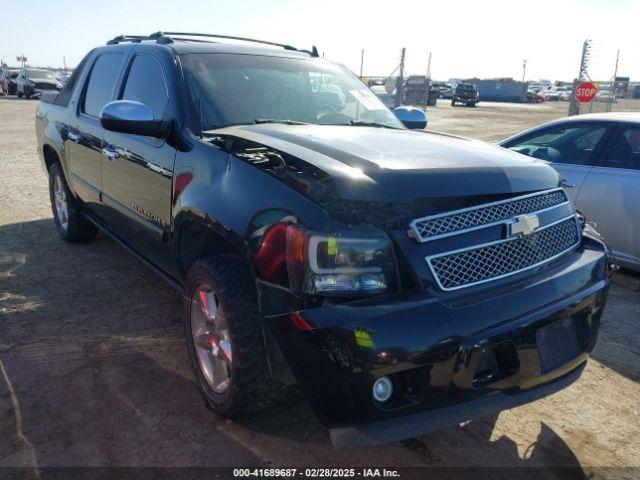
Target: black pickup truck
(406,280)
(465,93)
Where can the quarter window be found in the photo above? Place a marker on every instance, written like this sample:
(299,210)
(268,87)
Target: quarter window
(101,81)
(626,152)
(145,83)
(565,144)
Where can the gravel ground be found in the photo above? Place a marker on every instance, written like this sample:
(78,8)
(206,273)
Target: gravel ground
(93,370)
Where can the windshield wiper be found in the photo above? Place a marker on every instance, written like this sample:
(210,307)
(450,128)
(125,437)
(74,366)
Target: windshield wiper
(363,123)
(275,120)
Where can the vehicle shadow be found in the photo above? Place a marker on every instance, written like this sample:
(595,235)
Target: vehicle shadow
(97,374)
(618,345)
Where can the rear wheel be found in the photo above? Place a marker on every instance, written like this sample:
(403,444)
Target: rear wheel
(224,339)
(71,225)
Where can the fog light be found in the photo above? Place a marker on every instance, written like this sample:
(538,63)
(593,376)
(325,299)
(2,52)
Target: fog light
(382,389)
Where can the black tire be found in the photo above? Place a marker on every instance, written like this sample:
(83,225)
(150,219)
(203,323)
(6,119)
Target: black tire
(19,93)
(229,278)
(27,93)
(77,228)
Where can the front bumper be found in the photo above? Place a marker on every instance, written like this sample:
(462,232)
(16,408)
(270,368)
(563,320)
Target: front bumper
(447,356)
(396,429)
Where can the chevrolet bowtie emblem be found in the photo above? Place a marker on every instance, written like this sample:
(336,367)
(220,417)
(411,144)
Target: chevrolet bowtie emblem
(524,225)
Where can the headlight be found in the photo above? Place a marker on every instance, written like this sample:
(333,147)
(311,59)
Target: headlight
(343,262)
(346,262)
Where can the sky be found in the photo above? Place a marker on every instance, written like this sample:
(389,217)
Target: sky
(485,39)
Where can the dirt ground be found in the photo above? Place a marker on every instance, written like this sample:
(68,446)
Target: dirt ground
(94,372)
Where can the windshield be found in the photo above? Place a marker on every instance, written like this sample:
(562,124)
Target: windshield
(32,73)
(234,89)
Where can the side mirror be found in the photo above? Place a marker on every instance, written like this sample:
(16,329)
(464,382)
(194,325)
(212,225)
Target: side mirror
(412,117)
(136,118)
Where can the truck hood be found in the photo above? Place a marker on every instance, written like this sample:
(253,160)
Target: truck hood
(387,165)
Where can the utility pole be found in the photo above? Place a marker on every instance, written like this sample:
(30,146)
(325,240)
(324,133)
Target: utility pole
(400,81)
(428,81)
(64,62)
(361,62)
(614,85)
(524,69)
(583,75)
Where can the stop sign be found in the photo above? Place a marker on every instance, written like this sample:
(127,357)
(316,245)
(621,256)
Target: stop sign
(585,92)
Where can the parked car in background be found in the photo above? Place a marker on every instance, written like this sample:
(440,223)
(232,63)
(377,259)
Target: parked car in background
(465,93)
(407,280)
(8,80)
(446,93)
(63,79)
(31,82)
(605,96)
(636,92)
(443,89)
(598,158)
(551,94)
(565,93)
(534,97)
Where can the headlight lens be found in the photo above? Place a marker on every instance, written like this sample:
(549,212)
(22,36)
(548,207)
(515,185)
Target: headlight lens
(344,262)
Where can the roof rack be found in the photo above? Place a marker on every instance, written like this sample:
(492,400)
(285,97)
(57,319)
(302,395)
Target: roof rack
(170,37)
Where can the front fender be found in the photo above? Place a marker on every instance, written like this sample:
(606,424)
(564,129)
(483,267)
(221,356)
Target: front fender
(227,194)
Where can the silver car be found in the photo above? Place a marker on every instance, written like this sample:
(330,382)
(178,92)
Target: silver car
(598,158)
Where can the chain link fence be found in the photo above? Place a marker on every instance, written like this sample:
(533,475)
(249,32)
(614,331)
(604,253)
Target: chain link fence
(619,96)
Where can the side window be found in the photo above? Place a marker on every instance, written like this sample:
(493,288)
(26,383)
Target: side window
(563,144)
(145,83)
(101,81)
(626,151)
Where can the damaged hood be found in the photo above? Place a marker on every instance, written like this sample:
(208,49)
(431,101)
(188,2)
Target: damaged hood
(386,165)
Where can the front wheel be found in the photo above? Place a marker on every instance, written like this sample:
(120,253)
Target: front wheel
(71,225)
(224,339)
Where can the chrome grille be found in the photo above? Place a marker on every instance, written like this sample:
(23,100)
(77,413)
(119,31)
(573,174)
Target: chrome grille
(450,223)
(478,264)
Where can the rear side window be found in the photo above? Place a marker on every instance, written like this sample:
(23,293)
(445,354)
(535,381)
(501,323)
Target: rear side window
(101,81)
(145,83)
(626,152)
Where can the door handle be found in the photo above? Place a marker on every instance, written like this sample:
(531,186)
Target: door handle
(74,137)
(110,152)
(566,184)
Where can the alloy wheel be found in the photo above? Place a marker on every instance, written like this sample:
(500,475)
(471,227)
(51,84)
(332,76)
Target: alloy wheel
(211,339)
(62,207)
